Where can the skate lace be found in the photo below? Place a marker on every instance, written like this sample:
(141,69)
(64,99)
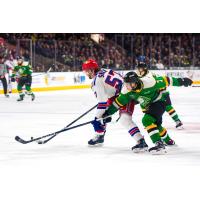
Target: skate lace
(160,144)
(178,122)
(96,137)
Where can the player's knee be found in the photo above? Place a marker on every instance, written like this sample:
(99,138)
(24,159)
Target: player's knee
(159,122)
(19,88)
(124,117)
(126,120)
(28,88)
(168,108)
(148,120)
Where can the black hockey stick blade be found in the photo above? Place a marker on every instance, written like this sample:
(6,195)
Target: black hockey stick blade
(18,139)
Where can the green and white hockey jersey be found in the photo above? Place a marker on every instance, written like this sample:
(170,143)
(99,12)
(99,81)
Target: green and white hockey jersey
(150,92)
(22,70)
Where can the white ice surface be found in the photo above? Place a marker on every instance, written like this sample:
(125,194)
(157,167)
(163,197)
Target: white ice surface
(66,168)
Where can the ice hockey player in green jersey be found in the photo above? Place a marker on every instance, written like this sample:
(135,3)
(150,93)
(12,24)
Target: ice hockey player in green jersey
(147,91)
(24,73)
(142,70)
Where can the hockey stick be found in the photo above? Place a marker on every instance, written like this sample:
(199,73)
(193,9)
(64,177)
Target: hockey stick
(43,72)
(18,139)
(45,141)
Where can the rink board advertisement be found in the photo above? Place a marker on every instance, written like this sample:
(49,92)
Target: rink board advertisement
(55,81)
(78,80)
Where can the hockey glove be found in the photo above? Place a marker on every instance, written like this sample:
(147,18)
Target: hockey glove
(12,79)
(106,117)
(100,126)
(185,82)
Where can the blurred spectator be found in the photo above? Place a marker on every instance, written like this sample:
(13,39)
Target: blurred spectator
(159,65)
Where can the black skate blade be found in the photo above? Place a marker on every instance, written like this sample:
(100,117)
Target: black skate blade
(137,151)
(96,145)
(180,128)
(161,152)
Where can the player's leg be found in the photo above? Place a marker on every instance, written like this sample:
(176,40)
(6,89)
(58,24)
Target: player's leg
(150,122)
(172,112)
(127,122)
(28,87)
(163,132)
(165,137)
(100,130)
(5,86)
(19,89)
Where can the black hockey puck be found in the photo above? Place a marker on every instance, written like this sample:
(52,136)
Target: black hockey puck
(40,142)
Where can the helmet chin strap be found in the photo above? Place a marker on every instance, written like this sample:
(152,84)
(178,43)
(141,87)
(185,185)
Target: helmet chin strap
(139,87)
(143,72)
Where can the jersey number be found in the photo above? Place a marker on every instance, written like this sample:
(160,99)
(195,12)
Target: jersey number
(114,82)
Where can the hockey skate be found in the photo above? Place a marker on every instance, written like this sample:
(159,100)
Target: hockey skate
(179,125)
(7,96)
(98,140)
(21,97)
(170,143)
(32,97)
(140,147)
(158,149)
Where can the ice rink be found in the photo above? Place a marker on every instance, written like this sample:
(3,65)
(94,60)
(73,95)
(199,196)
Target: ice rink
(66,168)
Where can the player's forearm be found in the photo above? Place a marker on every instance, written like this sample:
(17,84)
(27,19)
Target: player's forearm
(13,75)
(180,81)
(166,81)
(111,110)
(172,81)
(117,103)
